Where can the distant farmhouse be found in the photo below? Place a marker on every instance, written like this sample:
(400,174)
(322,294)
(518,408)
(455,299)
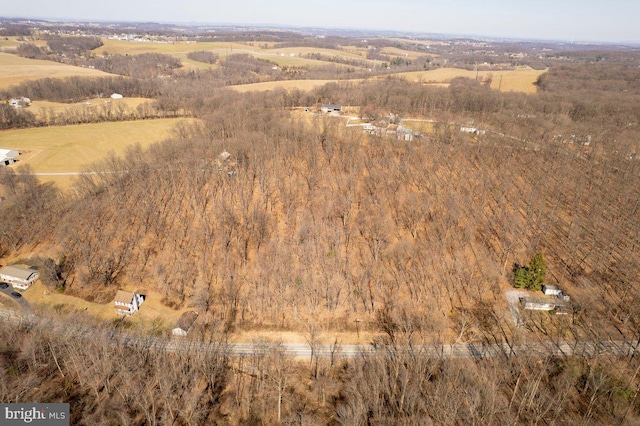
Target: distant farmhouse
(19,277)
(19,102)
(127,303)
(184,324)
(8,156)
(329,108)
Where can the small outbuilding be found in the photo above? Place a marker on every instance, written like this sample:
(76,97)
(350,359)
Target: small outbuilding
(184,324)
(127,302)
(19,277)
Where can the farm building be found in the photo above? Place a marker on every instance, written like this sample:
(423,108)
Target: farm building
(328,108)
(8,156)
(184,324)
(127,302)
(19,102)
(19,277)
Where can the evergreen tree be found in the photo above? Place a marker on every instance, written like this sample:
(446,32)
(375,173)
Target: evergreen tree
(538,270)
(521,277)
(531,277)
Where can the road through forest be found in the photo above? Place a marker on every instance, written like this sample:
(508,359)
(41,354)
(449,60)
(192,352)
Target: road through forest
(302,350)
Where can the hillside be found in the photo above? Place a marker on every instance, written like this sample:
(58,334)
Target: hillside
(400,221)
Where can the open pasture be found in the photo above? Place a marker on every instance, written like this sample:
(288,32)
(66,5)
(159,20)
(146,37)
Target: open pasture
(401,53)
(15,70)
(71,149)
(292,56)
(303,85)
(44,108)
(517,80)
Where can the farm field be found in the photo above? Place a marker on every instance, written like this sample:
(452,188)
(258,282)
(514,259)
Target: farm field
(42,108)
(411,54)
(15,70)
(518,80)
(68,149)
(303,85)
(180,50)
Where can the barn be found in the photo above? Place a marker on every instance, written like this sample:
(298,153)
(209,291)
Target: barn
(8,156)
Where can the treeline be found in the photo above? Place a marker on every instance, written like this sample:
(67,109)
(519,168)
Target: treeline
(142,66)
(203,56)
(73,45)
(78,51)
(60,48)
(76,89)
(12,118)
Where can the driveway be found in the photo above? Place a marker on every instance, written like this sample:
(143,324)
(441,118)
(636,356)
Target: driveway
(513,298)
(21,301)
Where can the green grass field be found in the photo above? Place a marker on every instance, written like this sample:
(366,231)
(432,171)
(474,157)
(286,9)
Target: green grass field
(68,149)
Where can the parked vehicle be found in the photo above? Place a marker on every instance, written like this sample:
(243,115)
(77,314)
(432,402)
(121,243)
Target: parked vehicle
(16,294)
(4,285)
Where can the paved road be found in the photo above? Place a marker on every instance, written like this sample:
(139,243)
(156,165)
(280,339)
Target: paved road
(301,350)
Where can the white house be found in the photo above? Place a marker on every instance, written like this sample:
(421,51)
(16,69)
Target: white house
(551,290)
(127,302)
(8,156)
(327,108)
(473,130)
(19,277)
(19,102)
(184,324)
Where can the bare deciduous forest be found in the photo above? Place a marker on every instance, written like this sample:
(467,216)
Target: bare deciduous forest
(264,217)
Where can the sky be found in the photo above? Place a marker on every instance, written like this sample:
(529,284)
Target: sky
(561,20)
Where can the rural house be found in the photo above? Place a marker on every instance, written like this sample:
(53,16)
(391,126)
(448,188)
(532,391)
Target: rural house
(19,277)
(19,102)
(551,290)
(8,156)
(327,108)
(184,324)
(127,302)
